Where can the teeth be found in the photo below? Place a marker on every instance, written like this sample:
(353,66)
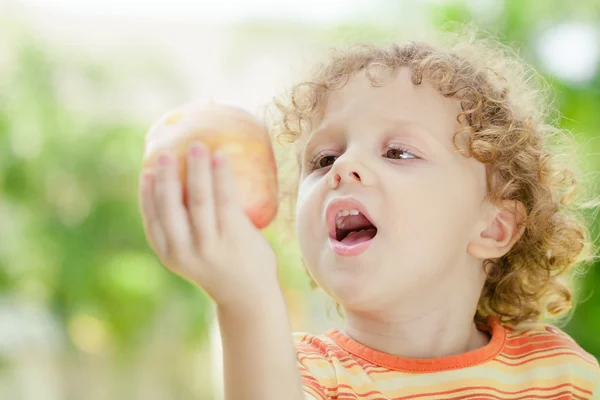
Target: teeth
(344,213)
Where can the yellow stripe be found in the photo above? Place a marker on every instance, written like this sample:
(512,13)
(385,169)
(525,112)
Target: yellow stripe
(394,389)
(552,370)
(500,374)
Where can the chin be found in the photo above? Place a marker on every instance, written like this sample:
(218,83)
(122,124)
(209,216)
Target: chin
(347,285)
(361,300)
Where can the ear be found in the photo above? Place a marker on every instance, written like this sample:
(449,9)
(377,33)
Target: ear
(501,230)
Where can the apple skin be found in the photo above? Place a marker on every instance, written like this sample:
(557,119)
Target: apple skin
(235,132)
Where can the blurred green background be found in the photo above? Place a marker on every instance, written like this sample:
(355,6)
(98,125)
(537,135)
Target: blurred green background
(86,310)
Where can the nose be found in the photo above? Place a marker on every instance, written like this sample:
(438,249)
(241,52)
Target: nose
(349,169)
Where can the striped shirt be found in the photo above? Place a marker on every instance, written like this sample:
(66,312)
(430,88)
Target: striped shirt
(538,361)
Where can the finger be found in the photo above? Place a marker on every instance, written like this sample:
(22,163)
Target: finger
(170,209)
(230,215)
(200,194)
(154,232)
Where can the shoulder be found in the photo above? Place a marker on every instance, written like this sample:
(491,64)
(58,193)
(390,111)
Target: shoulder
(545,346)
(545,336)
(544,354)
(315,346)
(314,355)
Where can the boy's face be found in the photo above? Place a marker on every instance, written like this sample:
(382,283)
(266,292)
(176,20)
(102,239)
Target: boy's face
(425,202)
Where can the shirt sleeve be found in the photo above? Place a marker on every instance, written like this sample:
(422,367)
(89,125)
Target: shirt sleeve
(316,371)
(313,390)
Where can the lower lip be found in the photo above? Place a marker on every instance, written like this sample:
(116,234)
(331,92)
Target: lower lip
(349,250)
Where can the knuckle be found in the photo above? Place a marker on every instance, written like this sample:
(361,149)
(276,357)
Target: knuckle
(187,260)
(161,178)
(206,247)
(197,200)
(162,211)
(158,185)
(225,204)
(203,246)
(160,192)
(168,254)
(177,260)
(226,198)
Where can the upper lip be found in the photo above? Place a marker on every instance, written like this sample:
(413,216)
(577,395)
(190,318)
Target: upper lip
(338,204)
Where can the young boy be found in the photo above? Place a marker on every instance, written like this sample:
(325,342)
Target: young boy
(429,208)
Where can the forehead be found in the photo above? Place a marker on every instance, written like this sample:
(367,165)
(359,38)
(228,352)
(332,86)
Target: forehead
(395,98)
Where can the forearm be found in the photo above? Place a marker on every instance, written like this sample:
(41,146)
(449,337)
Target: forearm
(258,354)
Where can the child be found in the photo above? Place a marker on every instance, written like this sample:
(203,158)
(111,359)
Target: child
(429,207)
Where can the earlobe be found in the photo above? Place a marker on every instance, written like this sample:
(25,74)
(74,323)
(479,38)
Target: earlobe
(501,231)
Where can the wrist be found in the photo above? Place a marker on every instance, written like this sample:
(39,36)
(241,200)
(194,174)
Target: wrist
(252,305)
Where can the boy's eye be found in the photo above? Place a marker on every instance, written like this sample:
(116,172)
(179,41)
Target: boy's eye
(399,153)
(325,160)
(322,162)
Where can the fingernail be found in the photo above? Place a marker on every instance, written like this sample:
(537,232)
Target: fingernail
(163,159)
(196,149)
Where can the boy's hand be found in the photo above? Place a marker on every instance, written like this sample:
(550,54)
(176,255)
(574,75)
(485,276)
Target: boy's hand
(212,243)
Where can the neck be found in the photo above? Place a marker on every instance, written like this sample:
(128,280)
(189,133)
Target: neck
(424,337)
(426,331)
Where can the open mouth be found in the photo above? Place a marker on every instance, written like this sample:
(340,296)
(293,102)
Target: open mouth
(351,229)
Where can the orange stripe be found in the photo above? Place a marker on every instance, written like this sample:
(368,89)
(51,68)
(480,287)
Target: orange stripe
(544,350)
(542,357)
(475,396)
(536,336)
(494,389)
(349,362)
(541,342)
(485,392)
(471,358)
(539,339)
(314,388)
(565,395)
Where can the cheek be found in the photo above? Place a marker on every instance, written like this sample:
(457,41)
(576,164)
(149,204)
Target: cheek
(432,208)
(448,208)
(307,211)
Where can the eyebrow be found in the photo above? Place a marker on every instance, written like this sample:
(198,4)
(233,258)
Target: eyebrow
(324,130)
(415,130)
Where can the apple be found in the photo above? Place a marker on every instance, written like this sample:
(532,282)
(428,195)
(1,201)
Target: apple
(237,133)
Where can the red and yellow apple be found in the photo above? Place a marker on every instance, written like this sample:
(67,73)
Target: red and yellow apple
(240,136)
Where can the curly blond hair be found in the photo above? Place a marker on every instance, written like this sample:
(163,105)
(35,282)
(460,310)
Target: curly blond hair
(507,124)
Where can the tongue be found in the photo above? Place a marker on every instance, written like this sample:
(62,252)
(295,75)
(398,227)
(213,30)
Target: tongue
(359,237)
(356,222)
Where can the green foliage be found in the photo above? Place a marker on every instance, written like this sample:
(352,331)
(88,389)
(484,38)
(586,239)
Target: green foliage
(69,183)
(72,234)
(517,25)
